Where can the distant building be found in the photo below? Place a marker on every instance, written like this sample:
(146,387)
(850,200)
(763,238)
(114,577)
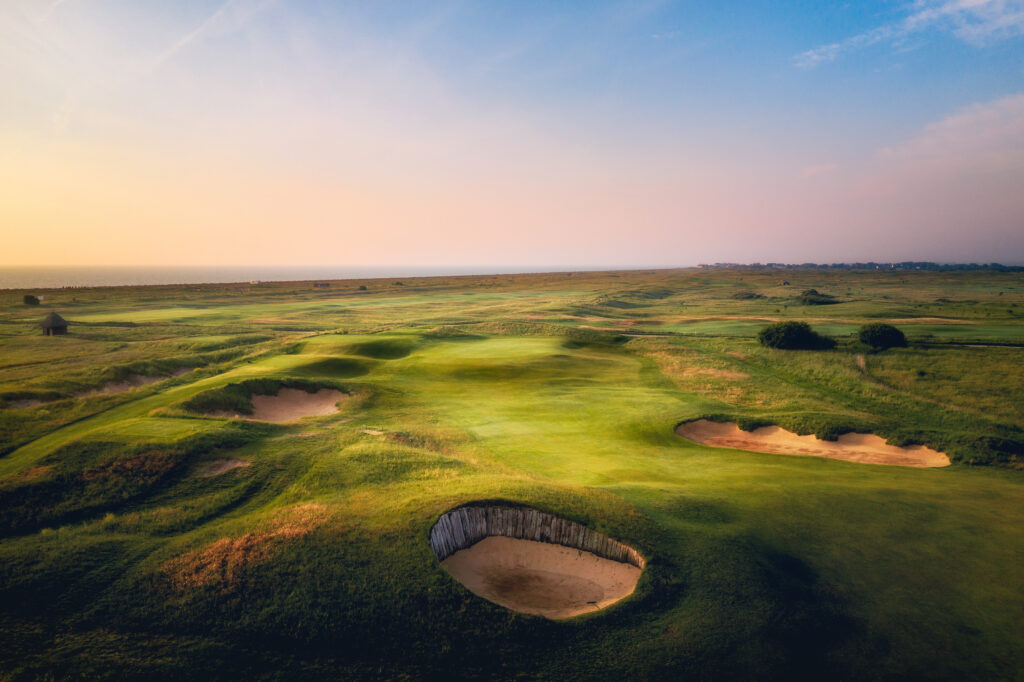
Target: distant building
(54,325)
(322,285)
(254,281)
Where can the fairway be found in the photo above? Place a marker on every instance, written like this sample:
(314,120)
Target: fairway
(150,532)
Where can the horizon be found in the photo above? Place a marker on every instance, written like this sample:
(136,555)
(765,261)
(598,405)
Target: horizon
(56,277)
(449,135)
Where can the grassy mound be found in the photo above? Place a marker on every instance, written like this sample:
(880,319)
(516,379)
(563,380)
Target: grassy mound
(385,349)
(814,297)
(87,478)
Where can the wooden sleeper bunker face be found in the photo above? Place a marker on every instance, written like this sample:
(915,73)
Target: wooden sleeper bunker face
(534,562)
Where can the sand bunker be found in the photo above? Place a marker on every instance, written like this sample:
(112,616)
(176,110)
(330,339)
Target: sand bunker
(289,404)
(853,447)
(534,562)
(541,578)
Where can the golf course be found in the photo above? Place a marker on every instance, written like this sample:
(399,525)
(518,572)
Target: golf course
(242,481)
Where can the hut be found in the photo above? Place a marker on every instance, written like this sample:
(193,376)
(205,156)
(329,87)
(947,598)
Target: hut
(54,325)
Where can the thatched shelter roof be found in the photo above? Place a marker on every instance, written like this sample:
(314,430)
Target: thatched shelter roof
(52,321)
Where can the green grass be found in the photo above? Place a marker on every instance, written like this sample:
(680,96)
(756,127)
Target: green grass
(118,559)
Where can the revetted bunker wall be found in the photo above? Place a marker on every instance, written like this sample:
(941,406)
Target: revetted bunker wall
(463,527)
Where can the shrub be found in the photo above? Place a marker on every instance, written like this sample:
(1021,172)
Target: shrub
(814,297)
(746,295)
(881,336)
(793,336)
(29,299)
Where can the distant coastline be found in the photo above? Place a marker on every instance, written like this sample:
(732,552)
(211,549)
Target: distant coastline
(60,277)
(901,266)
(57,277)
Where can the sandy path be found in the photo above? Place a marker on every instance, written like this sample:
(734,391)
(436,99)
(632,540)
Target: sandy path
(865,448)
(289,404)
(541,578)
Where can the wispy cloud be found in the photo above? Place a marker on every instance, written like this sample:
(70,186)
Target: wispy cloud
(988,136)
(231,15)
(977,22)
(194,33)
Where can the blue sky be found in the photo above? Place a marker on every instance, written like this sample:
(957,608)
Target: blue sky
(598,133)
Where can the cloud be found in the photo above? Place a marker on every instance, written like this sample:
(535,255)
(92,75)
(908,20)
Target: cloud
(194,33)
(230,16)
(988,136)
(978,22)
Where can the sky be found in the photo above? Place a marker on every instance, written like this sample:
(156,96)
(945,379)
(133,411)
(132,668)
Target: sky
(504,134)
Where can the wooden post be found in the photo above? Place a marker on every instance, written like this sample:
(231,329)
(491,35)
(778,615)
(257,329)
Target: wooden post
(463,527)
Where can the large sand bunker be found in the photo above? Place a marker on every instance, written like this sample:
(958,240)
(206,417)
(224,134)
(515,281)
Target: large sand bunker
(290,404)
(865,448)
(533,562)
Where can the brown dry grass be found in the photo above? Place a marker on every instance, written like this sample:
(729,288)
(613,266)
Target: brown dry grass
(693,371)
(223,561)
(33,474)
(145,466)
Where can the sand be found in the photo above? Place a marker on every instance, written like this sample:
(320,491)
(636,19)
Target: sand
(865,448)
(289,404)
(216,467)
(541,578)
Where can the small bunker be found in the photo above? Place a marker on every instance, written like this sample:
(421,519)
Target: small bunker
(534,562)
(288,404)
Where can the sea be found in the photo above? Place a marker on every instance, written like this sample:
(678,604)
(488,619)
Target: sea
(56,277)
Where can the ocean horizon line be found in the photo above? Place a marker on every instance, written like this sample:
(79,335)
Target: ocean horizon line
(16,277)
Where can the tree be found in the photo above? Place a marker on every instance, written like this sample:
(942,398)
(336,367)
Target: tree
(793,336)
(881,336)
(29,299)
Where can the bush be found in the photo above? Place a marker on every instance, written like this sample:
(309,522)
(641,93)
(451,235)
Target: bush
(29,299)
(881,336)
(793,336)
(815,297)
